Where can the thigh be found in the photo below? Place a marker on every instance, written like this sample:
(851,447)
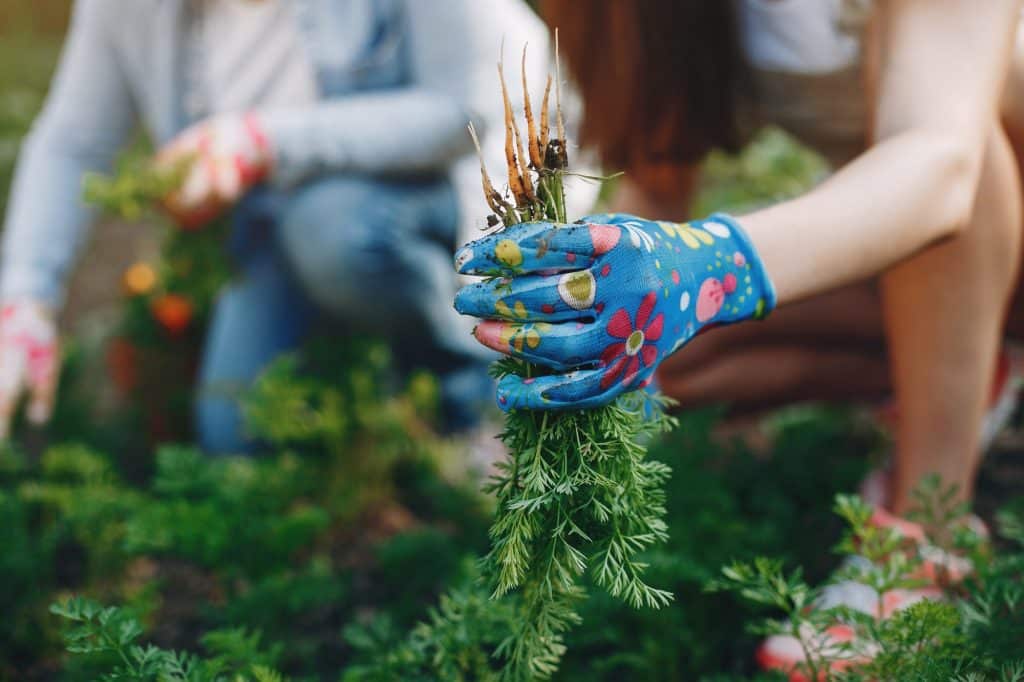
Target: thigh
(1015,315)
(255,318)
(377,255)
(340,213)
(1013,123)
(849,318)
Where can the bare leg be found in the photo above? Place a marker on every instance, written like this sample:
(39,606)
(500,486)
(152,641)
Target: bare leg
(944,313)
(827,348)
(1013,123)
(766,375)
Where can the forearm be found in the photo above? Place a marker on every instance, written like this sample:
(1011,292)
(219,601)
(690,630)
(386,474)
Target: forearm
(942,68)
(46,222)
(410,130)
(903,194)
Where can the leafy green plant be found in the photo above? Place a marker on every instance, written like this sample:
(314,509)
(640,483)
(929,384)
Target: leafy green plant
(928,640)
(274,544)
(771,168)
(111,634)
(453,643)
(577,493)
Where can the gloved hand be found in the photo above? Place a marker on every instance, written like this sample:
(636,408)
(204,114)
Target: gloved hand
(28,361)
(230,154)
(605,300)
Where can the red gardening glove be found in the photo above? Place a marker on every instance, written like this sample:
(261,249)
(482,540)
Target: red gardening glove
(28,361)
(230,153)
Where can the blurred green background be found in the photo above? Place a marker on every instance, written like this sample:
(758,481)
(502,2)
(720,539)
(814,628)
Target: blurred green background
(30,36)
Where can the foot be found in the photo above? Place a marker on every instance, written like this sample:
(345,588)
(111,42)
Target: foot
(837,643)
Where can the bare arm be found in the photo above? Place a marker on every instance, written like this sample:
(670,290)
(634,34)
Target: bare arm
(942,72)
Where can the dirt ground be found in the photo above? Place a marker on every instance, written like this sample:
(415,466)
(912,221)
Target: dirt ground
(95,293)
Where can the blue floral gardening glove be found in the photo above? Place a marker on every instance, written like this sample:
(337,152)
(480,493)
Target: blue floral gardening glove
(605,300)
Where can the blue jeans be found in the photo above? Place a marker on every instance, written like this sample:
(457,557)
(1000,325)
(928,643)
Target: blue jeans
(372,254)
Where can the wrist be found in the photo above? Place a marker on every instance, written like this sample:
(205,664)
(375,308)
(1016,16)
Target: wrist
(754,285)
(21,284)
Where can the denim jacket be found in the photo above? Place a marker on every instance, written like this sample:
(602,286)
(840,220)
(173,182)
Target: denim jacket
(398,82)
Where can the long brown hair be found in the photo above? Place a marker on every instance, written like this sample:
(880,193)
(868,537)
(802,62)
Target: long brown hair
(659,78)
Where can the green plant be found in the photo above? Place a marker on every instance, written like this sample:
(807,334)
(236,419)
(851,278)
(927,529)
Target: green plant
(928,640)
(278,544)
(453,643)
(111,635)
(193,263)
(771,168)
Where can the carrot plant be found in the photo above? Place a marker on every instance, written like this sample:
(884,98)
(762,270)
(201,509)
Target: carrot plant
(955,638)
(112,634)
(576,492)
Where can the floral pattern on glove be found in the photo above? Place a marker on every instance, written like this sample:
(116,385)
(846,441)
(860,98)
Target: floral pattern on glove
(637,350)
(605,300)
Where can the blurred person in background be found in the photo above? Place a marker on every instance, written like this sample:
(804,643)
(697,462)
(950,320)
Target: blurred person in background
(334,129)
(911,247)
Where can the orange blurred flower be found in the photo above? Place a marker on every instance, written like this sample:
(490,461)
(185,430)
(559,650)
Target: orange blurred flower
(173,311)
(139,279)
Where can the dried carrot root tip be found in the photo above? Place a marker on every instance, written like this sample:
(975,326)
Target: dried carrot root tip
(521,168)
(533,142)
(558,93)
(494,199)
(515,179)
(555,154)
(545,118)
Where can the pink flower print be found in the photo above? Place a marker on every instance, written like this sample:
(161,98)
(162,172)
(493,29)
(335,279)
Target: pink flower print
(604,237)
(625,358)
(729,283)
(710,299)
(739,259)
(711,296)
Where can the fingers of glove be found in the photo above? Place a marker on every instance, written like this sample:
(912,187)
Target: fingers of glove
(536,247)
(531,298)
(579,390)
(183,146)
(43,364)
(227,179)
(197,188)
(558,346)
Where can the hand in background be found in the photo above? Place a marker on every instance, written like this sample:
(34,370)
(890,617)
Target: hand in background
(605,300)
(28,361)
(226,155)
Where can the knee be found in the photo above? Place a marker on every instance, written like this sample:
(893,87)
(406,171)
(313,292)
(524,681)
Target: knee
(996,214)
(338,233)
